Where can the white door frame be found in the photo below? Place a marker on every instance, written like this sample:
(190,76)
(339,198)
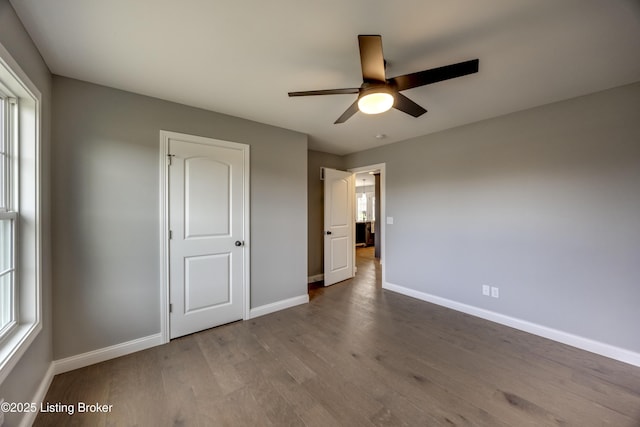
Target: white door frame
(164,159)
(381,223)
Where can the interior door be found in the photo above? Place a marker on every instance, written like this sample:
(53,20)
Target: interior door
(206,205)
(339,218)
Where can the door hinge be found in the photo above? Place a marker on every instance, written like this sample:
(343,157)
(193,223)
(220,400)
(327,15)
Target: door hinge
(170,158)
(170,234)
(170,308)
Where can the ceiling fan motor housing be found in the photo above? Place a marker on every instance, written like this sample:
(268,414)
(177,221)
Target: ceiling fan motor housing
(375,97)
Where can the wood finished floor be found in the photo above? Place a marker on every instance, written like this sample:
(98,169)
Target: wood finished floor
(355,355)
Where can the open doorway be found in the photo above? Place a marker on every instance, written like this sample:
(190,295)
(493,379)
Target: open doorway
(318,227)
(367,205)
(370,211)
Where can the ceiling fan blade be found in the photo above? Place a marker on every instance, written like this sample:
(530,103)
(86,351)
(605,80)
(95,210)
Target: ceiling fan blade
(371,58)
(353,108)
(326,92)
(406,105)
(435,75)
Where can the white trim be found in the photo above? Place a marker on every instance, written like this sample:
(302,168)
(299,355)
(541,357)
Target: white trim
(28,202)
(164,239)
(96,356)
(278,305)
(165,136)
(315,278)
(587,344)
(381,223)
(30,417)
(18,341)
(247,232)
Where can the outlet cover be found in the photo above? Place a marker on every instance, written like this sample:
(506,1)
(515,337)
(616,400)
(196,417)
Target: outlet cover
(486,290)
(495,292)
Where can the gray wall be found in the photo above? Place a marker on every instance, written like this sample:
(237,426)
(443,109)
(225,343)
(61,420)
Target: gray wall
(106,213)
(544,204)
(23,381)
(315,193)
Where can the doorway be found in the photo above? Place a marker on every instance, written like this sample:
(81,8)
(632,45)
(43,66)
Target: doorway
(367,212)
(370,222)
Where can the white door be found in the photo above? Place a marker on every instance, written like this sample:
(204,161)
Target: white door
(207,181)
(339,249)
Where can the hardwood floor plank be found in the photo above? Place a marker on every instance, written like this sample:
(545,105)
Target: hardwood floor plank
(238,408)
(318,416)
(277,409)
(398,410)
(136,389)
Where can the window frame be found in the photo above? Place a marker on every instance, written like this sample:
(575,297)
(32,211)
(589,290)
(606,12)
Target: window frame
(24,211)
(8,181)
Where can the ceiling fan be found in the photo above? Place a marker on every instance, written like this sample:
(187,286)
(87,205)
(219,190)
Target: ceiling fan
(378,94)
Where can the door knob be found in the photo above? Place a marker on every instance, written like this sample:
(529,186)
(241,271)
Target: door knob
(328,232)
(239,243)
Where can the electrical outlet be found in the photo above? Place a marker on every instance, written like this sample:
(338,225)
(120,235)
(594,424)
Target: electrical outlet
(486,290)
(495,292)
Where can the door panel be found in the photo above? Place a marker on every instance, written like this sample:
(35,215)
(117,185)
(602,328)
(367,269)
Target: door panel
(338,226)
(206,203)
(207,281)
(207,192)
(339,253)
(339,203)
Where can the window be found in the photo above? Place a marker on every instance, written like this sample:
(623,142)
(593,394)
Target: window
(20,253)
(362,207)
(8,215)
(366,203)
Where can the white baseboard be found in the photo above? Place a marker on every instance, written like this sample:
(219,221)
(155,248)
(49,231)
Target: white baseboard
(277,306)
(96,356)
(587,344)
(30,417)
(100,355)
(315,278)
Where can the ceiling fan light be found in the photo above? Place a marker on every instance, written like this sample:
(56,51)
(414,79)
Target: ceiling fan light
(375,102)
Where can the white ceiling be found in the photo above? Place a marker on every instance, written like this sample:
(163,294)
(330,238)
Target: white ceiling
(242,57)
